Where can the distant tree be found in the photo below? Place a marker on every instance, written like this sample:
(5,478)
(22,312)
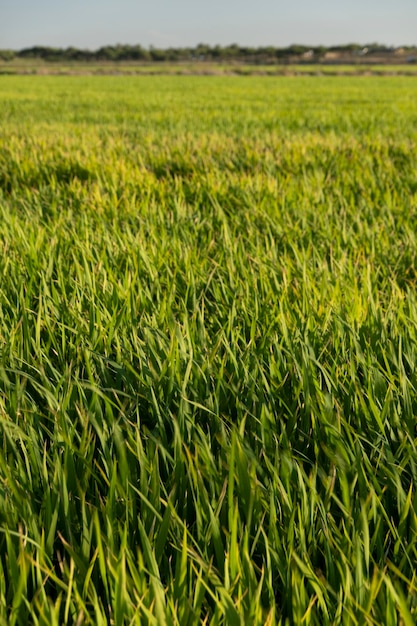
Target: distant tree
(230,52)
(106,53)
(157,54)
(201,52)
(7,55)
(217,52)
(375,47)
(297,50)
(140,54)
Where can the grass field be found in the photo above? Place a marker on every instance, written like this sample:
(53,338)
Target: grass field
(208,345)
(198,68)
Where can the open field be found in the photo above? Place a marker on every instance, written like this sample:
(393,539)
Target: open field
(38,66)
(208,346)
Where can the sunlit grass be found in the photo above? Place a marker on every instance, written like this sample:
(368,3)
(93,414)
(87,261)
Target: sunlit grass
(208,337)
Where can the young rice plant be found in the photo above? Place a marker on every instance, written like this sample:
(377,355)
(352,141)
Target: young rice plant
(208,347)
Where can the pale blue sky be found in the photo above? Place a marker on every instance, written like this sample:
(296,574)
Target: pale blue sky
(164,23)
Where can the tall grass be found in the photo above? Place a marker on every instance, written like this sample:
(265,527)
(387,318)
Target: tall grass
(208,326)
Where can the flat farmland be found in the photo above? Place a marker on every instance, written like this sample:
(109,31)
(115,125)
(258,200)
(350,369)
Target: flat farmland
(208,348)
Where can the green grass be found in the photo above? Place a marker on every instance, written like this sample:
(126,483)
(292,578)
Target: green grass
(208,338)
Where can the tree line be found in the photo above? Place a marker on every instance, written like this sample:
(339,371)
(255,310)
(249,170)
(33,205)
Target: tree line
(201,52)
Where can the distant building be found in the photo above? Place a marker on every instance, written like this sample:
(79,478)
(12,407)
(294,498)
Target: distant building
(331,56)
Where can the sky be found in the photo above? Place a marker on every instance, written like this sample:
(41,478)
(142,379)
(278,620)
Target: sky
(165,23)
